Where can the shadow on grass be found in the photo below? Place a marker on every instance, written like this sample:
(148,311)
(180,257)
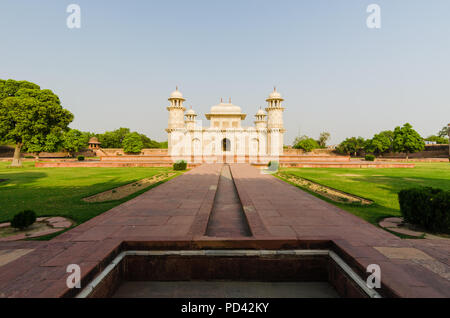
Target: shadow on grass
(64,201)
(20,178)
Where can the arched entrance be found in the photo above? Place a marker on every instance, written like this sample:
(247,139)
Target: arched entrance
(226,144)
(196,150)
(226,148)
(254,150)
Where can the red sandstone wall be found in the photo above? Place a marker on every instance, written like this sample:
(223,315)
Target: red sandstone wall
(292,151)
(120,152)
(99,164)
(431,151)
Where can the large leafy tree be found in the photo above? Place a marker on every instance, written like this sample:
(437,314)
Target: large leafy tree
(132,143)
(28,115)
(380,143)
(407,140)
(352,145)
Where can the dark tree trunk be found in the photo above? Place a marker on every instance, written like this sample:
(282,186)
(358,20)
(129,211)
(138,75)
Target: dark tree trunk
(17,161)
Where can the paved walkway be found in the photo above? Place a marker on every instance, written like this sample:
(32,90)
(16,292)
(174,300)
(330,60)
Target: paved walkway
(176,214)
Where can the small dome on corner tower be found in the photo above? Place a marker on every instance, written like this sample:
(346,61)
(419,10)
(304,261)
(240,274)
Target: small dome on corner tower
(275,94)
(176,94)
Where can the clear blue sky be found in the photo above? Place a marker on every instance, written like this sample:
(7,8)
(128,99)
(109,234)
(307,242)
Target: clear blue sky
(335,73)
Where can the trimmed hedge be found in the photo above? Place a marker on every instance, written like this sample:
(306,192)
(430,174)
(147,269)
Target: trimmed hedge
(369,158)
(80,158)
(426,207)
(180,165)
(23,219)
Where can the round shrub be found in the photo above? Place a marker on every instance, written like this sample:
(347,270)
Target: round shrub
(23,219)
(180,165)
(426,207)
(370,158)
(80,158)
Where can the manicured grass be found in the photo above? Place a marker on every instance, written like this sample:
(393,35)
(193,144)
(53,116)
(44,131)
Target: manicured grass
(378,185)
(59,191)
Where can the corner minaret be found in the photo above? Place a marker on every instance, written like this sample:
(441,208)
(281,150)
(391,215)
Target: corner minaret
(260,122)
(176,126)
(176,110)
(275,126)
(190,119)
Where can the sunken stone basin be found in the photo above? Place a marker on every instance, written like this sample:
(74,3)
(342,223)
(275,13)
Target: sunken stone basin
(227,273)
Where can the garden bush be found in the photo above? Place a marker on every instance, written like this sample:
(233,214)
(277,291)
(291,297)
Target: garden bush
(23,219)
(307,144)
(80,158)
(369,158)
(29,157)
(426,207)
(180,165)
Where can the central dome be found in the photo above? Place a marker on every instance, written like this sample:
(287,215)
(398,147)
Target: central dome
(226,108)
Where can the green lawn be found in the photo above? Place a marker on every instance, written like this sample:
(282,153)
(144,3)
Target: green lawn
(59,191)
(378,185)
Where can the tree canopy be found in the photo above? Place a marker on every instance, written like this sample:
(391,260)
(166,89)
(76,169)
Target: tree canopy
(380,143)
(306,143)
(149,143)
(29,115)
(352,145)
(437,139)
(323,138)
(444,132)
(113,139)
(74,140)
(132,143)
(407,140)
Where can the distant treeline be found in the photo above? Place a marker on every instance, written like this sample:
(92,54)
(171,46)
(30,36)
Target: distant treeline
(74,140)
(402,139)
(115,138)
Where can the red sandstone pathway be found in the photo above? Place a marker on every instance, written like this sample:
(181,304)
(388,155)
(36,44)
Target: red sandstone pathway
(176,213)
